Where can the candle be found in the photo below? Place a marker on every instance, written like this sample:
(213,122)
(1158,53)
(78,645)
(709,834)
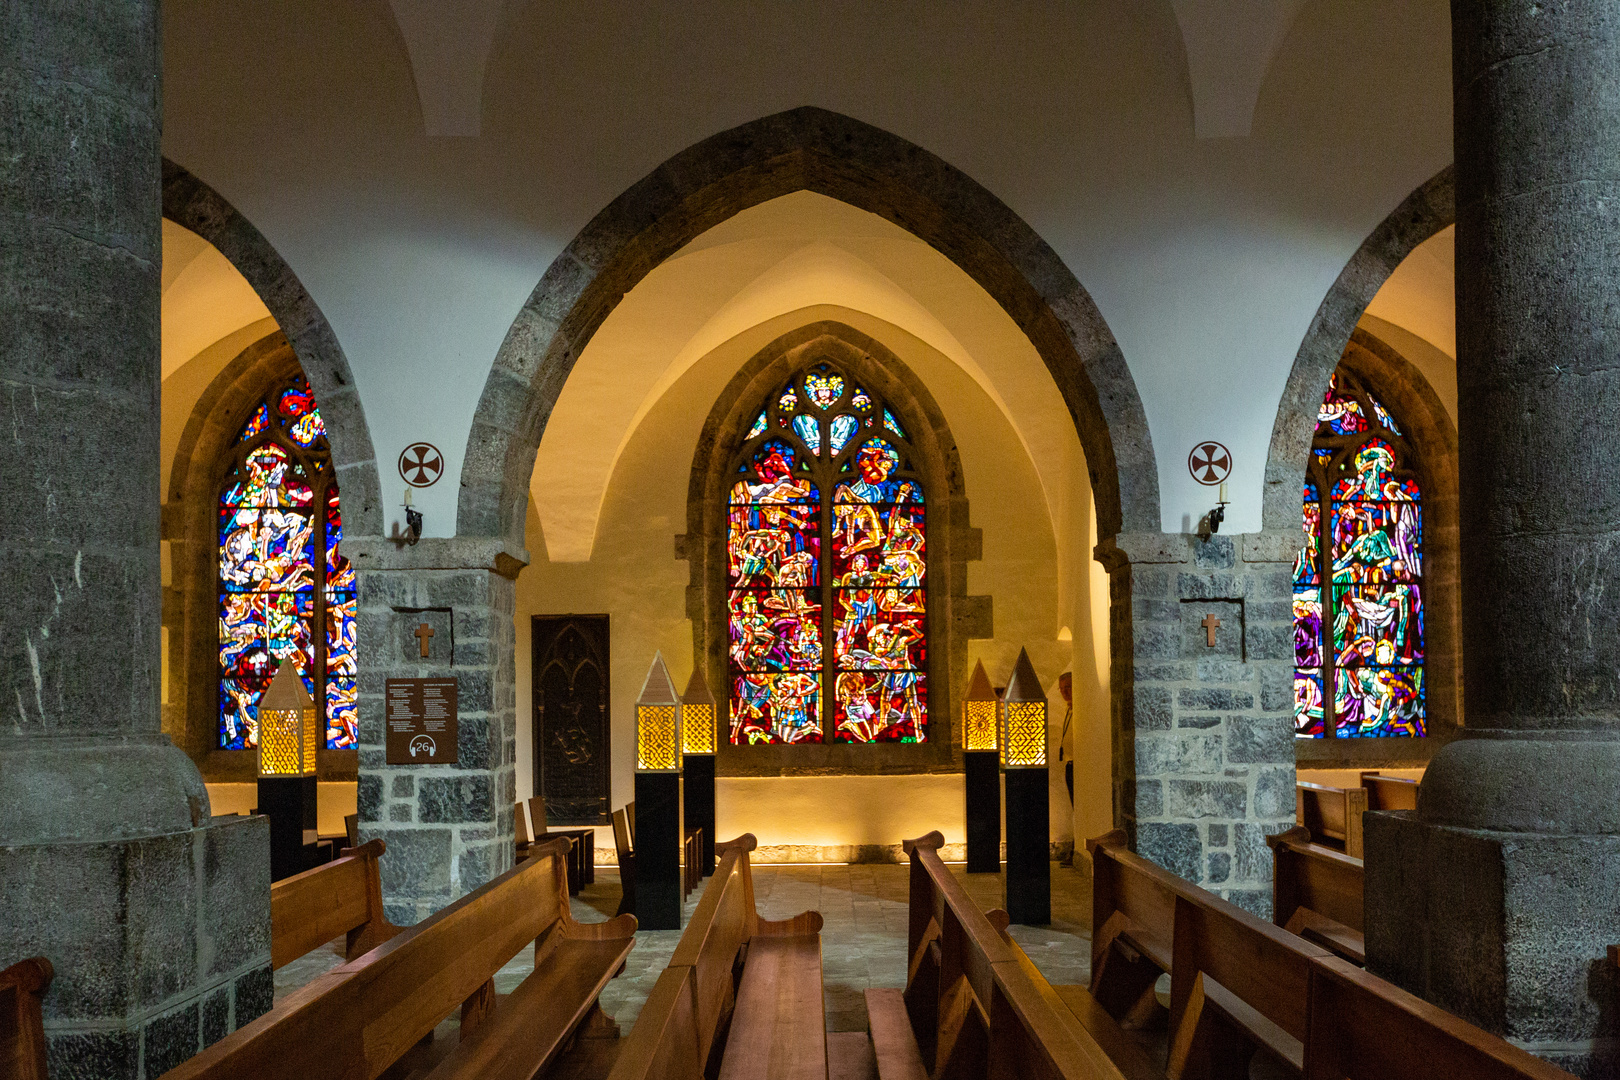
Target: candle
(1222,499)
(408,494)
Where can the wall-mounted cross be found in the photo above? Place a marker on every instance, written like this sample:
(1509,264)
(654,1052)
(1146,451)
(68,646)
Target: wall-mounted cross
(1210,625)
(424,634)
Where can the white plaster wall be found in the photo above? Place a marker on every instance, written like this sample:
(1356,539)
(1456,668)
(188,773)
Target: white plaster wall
(1207,257)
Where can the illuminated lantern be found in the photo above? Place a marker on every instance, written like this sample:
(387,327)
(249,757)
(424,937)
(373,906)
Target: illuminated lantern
(979,712)
(697,716)
(288,727)
(658,722)
(1023,724)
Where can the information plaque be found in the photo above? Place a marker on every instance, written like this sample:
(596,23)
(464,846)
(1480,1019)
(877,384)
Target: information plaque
(421,721)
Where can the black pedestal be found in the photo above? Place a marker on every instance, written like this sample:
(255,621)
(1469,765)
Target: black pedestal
(289,803)
(698,801)
(1029,833)
(658,851)
(983,811)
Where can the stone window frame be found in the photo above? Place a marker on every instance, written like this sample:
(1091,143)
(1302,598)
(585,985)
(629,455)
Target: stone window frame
(1432,434)
(190,603)
(953,617)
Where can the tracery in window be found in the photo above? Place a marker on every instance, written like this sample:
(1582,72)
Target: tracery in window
(826,571)
(278,599)
(1358,582)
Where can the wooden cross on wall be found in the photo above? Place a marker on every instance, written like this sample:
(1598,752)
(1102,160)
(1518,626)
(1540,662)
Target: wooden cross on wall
(1210,625)
(424,634)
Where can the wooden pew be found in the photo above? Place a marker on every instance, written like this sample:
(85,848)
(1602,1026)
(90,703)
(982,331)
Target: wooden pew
(702,1020)
(1389,792)
(627,861)
(1316,893)
(1363,1028)
(364,1017)
(22,1028)
(1238,983)
(521,840)
(691,867)
(976,1005)
(343,897)
(1332,813)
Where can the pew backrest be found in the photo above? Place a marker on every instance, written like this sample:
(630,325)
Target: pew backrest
(1363,1028)
(1317,893)
(342,897)
(690,1004)
(1332,812)
(22,1026)
(969,996)
(358,1020)
(1389,792)
(537,816)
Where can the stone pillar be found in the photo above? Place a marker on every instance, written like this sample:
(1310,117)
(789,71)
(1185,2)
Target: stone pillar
(1204,735)
(1497,898)
(156,919)
(448,827)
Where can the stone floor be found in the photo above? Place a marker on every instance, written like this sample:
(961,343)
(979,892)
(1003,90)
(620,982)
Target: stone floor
(863,941)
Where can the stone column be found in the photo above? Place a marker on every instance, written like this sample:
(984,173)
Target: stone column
(448,827)
(1497,898)
(156,920)
(1204,734)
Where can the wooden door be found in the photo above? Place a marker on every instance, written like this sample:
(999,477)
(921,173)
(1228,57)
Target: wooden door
(572,717)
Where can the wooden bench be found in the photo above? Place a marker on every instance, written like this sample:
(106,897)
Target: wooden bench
(627,860)
(1389,792)
(1316,893)
(691,862)
(364,1017)
(977,1006)
(1332,813)
(701,1019)
(343,897)
(22,1027)
(1238,984)
(581,857)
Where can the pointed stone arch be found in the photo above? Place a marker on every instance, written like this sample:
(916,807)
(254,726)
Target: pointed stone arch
(805,149)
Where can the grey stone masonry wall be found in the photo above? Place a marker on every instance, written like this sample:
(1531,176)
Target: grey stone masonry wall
(448,827)
(1204,742)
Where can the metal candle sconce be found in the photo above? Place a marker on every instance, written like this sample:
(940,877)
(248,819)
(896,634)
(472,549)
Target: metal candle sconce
(1211,523)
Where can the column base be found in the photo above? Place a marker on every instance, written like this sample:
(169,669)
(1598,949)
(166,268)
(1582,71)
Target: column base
(161,943)
(1507,930)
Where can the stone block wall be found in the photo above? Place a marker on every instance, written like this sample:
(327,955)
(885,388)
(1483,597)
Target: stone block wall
(448,827)
(1204,746)
(161,944)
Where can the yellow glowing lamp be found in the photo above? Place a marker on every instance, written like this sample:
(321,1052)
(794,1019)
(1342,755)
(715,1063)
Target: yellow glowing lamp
(288,726)
(697,716)
(658,722)
(979,712)
(1023,723)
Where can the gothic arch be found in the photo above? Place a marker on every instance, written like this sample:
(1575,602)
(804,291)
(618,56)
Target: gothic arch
(953,616)
(190,202)
(816,150)
(1426,211)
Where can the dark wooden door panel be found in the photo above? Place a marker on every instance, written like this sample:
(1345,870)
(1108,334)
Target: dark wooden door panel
(572,718)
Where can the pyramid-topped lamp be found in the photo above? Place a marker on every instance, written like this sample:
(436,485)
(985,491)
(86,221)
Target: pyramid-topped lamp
(658,722)
(979,713)
(697,715)
(1023,710)
(288,727)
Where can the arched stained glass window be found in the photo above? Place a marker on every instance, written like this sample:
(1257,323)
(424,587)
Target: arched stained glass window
(826,571)
(1358,583)
(285,592)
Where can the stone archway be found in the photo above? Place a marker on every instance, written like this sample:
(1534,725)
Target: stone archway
(806,149)
(190,202)
(1426,211)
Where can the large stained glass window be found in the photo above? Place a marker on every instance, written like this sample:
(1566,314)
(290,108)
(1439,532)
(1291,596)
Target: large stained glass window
(285,591)
(1358,583)
(826,574)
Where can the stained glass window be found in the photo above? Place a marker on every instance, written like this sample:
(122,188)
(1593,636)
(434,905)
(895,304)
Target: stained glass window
(286,593)
(826,568)
(1358,581)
